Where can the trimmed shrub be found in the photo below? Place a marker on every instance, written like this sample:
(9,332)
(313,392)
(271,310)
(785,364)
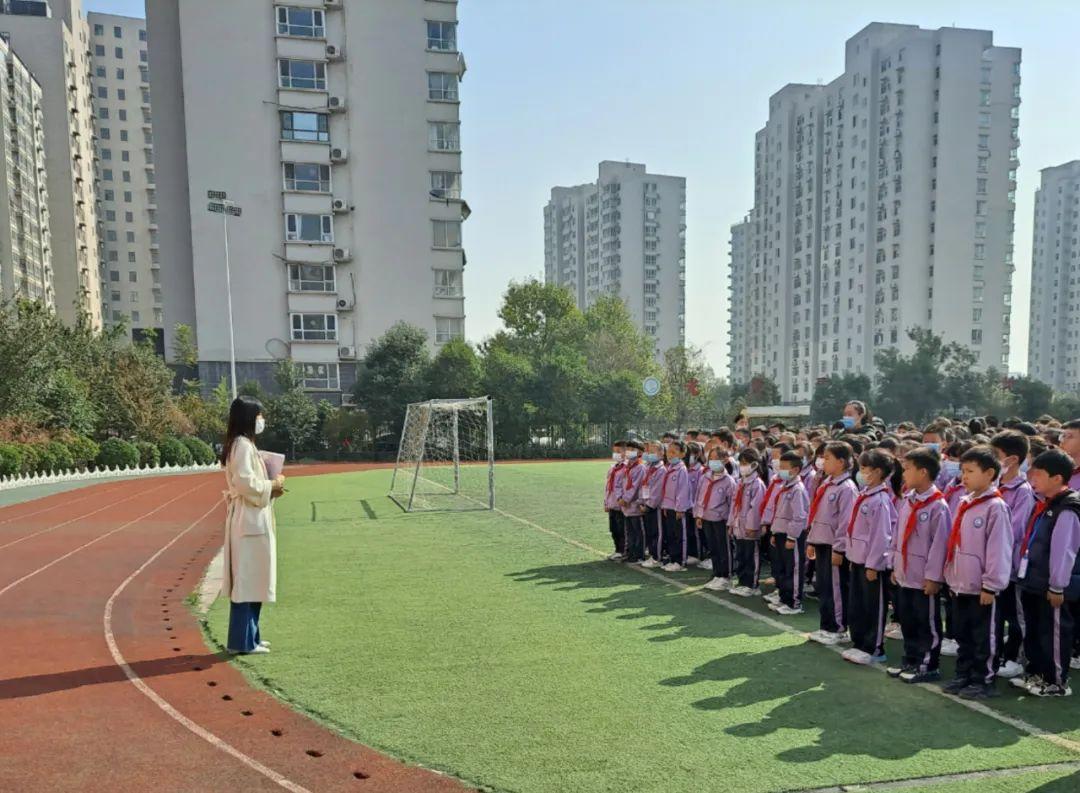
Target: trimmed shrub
(10,459)
(116,453)
(149,456)
(31,456)
(173,452)
(55,458)
(84,451)
(201,453)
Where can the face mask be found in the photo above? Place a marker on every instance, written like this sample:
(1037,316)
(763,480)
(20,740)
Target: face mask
(746,470)
(260,425)
(848,422)
(951,467)
(860,479)
(716,466)
(616,457)
(819,463)
(805,462)
(651,457)
(935,447)
(785,474)
(1024,468)
(631,454)
(696,464)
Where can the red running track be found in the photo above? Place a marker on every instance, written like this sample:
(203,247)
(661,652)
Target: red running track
(106,683)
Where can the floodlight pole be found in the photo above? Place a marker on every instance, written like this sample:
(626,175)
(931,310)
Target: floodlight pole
(491,456)
(221,205)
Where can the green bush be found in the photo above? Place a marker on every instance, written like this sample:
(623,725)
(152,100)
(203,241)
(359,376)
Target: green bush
(31,456)
(201,452)
(173,452)
(55,457)
(116,453)
(10,459)
(83,450)
(149,456)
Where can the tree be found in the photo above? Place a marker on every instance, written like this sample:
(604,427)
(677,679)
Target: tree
(394,373)
(540,318)
(910,387)
(1033,397)
(292,418)
(760,391)
(832,393)
(688,381)
(455,372)
(1066,407)
(509,377)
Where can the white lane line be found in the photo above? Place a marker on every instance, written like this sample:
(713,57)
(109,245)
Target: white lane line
(99,538)
(80,517)
(69,502)
(977,707)
(158,700)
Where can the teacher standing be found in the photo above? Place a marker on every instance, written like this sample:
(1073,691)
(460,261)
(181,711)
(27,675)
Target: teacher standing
(250,569)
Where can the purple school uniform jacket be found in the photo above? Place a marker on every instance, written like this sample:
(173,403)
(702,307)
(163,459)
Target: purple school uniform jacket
(1074,480)
(925,557)
(834,509)
(954,491)
(720,488)
(651,483)
(870,540)
(791,510)
(745,523)
(768,504)
(631,490)
(807,475)
(697,471)
(613,485)
(675,488)
(983,559)
(1020,499)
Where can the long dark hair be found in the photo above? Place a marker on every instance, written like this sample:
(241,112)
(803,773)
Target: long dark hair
(750,456)
(242,414)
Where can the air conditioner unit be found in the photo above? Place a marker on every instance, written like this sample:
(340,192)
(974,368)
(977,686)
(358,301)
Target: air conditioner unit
(336,103)
(348,400)
(339,154)
(344,304)
(333,52)
(341,205)
(347,352)
(335,4)
(342,255)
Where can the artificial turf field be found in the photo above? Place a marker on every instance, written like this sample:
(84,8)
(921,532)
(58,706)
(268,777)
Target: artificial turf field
(482,645)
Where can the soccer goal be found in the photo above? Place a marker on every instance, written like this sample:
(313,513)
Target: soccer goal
(446,458)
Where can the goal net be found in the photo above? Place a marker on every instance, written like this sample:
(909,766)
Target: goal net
(446,457)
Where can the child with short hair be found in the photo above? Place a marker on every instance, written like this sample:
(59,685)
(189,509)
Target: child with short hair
(792,507)
(712,508)
(650,498)
(1011,448)
(870,529)
(629,502)
(698,547)
(744,523)
(917,560)
(827,540)
(978,561)
(1049,577)
(612,489)
(675,502)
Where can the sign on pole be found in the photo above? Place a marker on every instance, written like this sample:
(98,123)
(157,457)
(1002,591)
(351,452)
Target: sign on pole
(651,386)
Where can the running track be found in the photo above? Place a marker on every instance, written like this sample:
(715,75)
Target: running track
(106,683)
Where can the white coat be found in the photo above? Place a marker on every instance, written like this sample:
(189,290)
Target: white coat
(250,569)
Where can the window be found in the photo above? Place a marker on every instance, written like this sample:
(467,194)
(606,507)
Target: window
(129,236)
(106,154)
(445,184)
(307,176)
(314,327)
(144,56)
(125,155)
(309,228)
(301,22)
(980,250)
(134,316)
(119,74)
(984,97)
(448,283)
(984,141)
(99,50)
(122,114)
(447,233)
(442,86)
(311,278)
(142,34)
(118,32)
(114,276)
(444,135)
(131,258)
(442,36)
(447,328)
(115,296)
(103,112)
(320,376)
(302,75)
(110,235)
(121,94)
(305,126)
(100,72)
(976,315)
(119,52)
(980,209)
(976,336)
(102,92)
(106,174)
(99,30)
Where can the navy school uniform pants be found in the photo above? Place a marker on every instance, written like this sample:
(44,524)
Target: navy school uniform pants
(919,615)
(654,533)
(720,548)
(244,627)
(634,532)
(677,533)
(1010,624)
(1074,608)
(832,589)
(1048,638)
(747,562)
(866,610)
(788,566)
(616,521)
(976,637)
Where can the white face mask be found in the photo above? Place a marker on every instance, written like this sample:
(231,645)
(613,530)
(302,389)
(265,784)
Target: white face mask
(819,463)
(746,470)
(631,454)
(616,457)
(260,425)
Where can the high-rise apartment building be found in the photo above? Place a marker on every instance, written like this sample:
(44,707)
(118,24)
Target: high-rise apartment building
(1054,338)
(25,247)
(738,321)
(334,126)
(625,235)
(883,201)
(120,77)
(53,41)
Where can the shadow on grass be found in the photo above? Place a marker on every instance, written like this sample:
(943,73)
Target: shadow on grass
(1067,784)
(856,712)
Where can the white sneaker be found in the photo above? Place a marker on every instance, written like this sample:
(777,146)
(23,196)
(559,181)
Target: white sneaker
(773,597)
(704,564)
(615,557)
(1010,669)
(1028,682)
(949,647)
(1074,662)
(650,563)
(856,656)
(844,638)
(716,584)
(894,631)
(264,643)
(742,591)
(827,638)
(775,606)
(816,636)
(259,650)
(787,611)
(691,561)
(673,567)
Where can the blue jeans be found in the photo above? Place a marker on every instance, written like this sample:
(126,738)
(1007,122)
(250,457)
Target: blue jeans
(244,627)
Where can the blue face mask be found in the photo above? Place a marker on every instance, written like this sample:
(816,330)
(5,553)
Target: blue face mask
(716,466)
(1024,468)
(951,467)
(848,422)
(860,479)
(785,474)
(936,447)
(651,458)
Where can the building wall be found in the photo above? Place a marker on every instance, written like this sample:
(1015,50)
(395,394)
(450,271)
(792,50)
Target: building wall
(739,322)
(880,208)
(624,235)
(1054,337)
(383,179)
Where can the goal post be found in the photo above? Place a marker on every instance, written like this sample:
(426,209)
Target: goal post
(446,457)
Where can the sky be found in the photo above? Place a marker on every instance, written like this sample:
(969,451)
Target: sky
(553,88)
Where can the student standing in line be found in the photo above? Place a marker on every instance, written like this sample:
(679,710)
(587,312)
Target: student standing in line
(630,503)
(745,522)
(651,495)
(712,509)
(612,489)
(675,502)
(789,535)
(698,553)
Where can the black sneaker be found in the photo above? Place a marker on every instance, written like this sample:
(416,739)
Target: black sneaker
(915,676)
(956,685)
(978,691)
(1051,690)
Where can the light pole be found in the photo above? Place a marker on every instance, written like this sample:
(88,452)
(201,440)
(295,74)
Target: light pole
(220,204)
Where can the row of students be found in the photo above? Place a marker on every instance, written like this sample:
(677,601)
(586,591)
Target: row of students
(874,531)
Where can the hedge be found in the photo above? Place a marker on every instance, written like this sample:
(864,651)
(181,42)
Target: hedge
(201,452)
(11,458)
(55,457)
(149,456)
(173,452)
(116,453)
(84,451)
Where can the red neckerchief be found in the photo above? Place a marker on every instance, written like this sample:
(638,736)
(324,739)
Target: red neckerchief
(667,476)
(820,494)
(1040,508)
(629,479)
(954,534)
(768,495)
(611,476)
(858,503)
(909,527)
(708,492)
(738,498)
(952,490)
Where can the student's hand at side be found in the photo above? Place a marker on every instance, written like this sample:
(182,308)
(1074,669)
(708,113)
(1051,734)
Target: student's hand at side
(811,552)
(697,522)
(772,541)
(986,598)
(837,559)
(790,545)
(893,579)
(930,588)
(607,509)
(871,575)
(1056,599)
(680,515)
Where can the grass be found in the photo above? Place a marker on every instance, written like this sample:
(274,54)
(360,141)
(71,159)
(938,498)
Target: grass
(480,646)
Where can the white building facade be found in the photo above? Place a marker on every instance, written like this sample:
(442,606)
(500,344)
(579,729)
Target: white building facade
(883,201)
(337,133)
(625,235)
(1054,337)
